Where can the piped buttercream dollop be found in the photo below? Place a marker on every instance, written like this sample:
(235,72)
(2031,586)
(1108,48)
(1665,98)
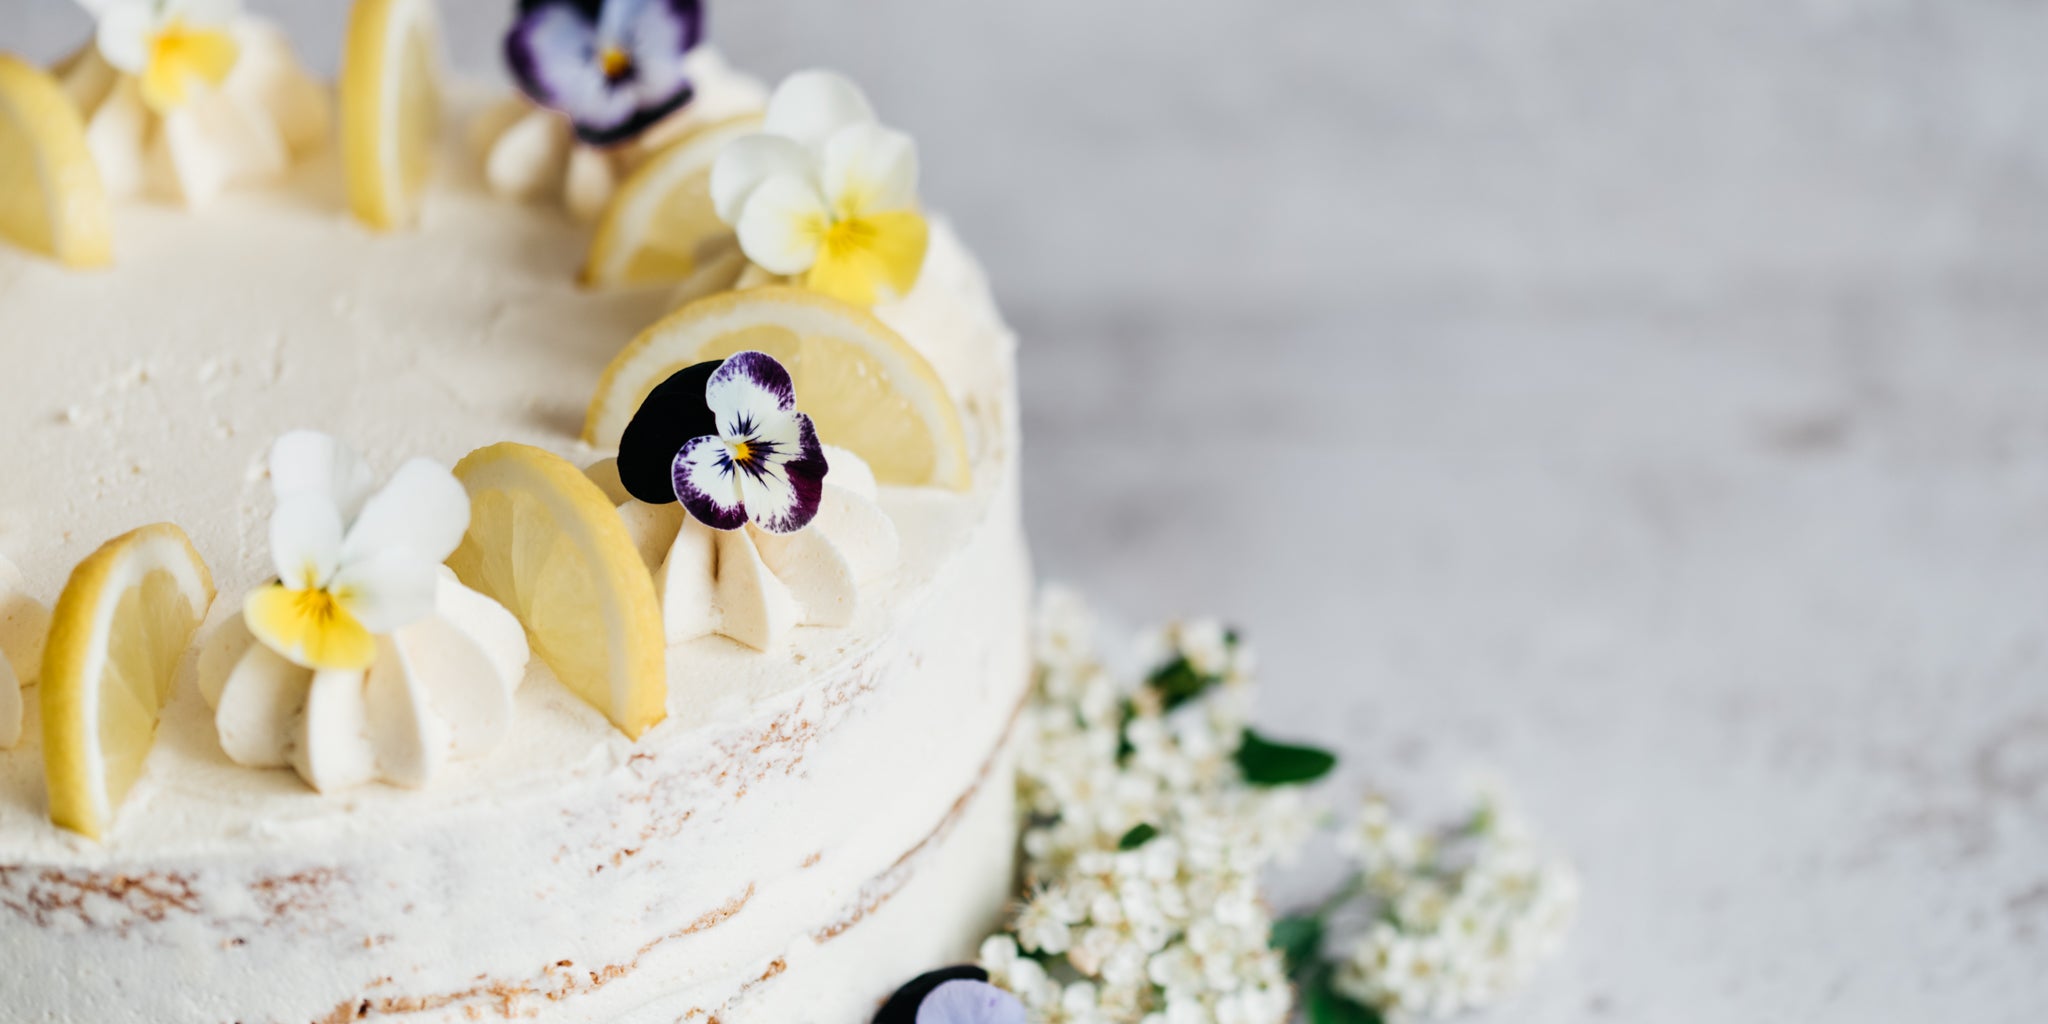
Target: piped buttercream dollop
(268,114)
(440,690)
(754,586)
(531,153)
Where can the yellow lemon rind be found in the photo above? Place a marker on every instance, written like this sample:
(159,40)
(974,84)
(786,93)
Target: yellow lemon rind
(609,262)
(76,652)
(635,696)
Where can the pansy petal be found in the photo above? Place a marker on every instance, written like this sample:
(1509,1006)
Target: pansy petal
(662,33)
(869,169)
(670,415)
(213,13)
(548,49)
(883,258)
(965,1001)
(391,589)
(705,484)
(782,224)
(748,161)
(746,390)
(307,628)
(124,33)
(901,240)
(305,540)
(423,510)
(310,462)
(812,106)
(783,495)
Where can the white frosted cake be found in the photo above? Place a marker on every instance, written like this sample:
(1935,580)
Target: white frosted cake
(818,802)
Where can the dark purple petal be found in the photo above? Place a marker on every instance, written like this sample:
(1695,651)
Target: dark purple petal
(668,418)
(804,475)
(705,483)
(598,132)
(964,1001)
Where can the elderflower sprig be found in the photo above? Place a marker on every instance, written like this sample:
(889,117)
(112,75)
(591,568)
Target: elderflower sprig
(1464,914)
(1156,808)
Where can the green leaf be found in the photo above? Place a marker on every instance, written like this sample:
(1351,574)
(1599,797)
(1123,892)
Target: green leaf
(1300,940)
(1124,750)
(1137,837)
(1266,763)
(1323,1004)
(1178,682)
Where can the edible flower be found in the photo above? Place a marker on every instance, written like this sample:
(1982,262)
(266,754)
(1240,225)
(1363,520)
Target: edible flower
(614,67)
(168,44)
(352,562)
(725,439)
(954,995)
(825,192)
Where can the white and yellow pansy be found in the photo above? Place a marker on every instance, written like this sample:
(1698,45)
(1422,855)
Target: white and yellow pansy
(367,660)
(183,99)
(825,194)
(352,563)
(170,46)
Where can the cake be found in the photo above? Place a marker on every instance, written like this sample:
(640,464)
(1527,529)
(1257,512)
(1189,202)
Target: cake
(818,807)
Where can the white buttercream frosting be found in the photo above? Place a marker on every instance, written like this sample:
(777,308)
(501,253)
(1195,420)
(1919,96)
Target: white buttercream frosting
(754,586)
(23,623)
(439,691)
(530,153)
(266,115)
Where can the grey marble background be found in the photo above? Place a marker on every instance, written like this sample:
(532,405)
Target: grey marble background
(1645,401)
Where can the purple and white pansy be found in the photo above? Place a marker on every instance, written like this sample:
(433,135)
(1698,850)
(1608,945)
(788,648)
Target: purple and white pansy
(953,995)
(614,67)
(725,439)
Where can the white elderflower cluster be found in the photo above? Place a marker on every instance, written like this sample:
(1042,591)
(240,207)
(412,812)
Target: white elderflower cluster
(1462,916)
(1143,858)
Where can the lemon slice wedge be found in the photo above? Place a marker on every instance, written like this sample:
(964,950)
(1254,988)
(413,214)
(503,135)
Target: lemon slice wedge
(864,386)
(118,632)
(660,227)
(52,200)
(546,543)
(390,108)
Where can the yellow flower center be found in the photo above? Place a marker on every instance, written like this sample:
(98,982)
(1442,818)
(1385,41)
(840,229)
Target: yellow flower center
(615,62)
(742,452)
(310,626)
(847,236)
(318,609)
(179,53)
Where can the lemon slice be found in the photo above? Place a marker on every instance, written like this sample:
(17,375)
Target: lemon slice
(51,198)
(116,636)
(865,387)
(390,108)
(545,542)
(660,227)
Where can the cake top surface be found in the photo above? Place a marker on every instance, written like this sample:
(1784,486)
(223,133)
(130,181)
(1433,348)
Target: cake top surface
(152,391)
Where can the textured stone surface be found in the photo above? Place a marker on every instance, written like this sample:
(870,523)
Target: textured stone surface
(1647,402)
